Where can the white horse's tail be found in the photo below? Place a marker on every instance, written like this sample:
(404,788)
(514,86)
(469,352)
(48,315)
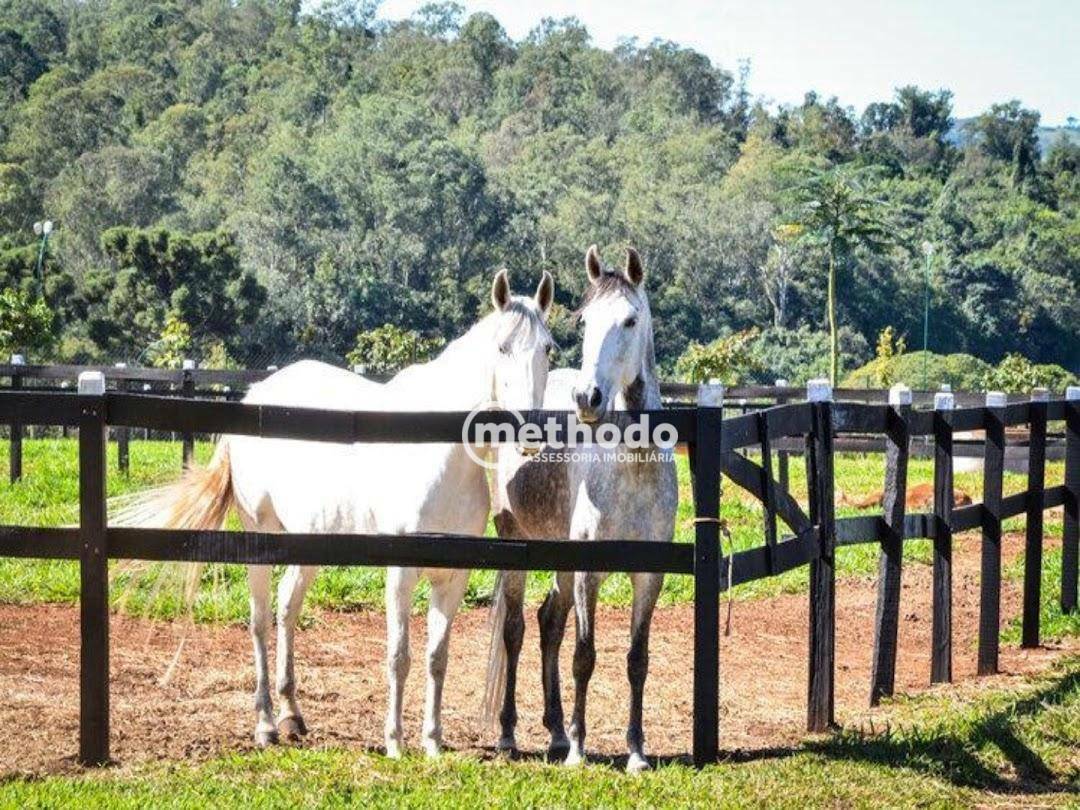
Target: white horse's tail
(201,499)
(495,683)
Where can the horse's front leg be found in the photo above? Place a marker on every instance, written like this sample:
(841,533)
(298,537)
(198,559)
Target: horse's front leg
(400,583)
(513,592)
(586,588)
(552,618)
(447,591)
(646,590)
(291,591)
(266,732)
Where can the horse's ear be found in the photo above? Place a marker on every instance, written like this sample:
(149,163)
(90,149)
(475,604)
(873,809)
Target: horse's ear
(592,264)
(545,292)
(500,290)
(635,270)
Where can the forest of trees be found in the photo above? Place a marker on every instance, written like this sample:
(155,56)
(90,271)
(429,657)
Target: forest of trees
(275,181)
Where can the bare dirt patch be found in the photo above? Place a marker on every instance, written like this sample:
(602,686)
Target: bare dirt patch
(206,707)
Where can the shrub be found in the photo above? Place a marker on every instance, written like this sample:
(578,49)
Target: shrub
(798,355)
(727,359)
(26,324)
(388,349)
(1017,375)
(962,371)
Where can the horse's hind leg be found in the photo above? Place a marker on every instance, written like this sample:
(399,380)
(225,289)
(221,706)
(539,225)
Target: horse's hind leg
(291,591)
(259,583)
(447,591)
(552,618)
(586,588)
(513,585)
(646,590)
(400,583)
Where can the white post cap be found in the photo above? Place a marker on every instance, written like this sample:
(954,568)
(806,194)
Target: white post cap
(781,383)
(92,383)
(188,365)
(227,389)
(359,369)
(271,368)
(65,384)
(819,390)
(710,394)
(899,394)
(18,360)
(995,399)
(1040,394)
(1072,393)
(946,387)
(944,401)
(146,386)
(120,365)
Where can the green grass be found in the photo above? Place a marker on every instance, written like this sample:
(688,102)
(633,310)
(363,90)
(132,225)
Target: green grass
(957,748)
(48,496)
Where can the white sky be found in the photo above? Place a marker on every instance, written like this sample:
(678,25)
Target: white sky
(859,50)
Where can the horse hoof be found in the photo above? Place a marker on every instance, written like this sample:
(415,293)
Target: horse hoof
(393,749)
(264,739)
(432,748)
(636,764)
(507,745)
(558,749)
(292,728)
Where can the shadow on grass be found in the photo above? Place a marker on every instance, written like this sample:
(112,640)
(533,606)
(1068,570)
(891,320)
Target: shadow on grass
(949,755)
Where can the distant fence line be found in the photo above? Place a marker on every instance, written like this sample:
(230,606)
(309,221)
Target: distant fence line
(231,385)
(715,447)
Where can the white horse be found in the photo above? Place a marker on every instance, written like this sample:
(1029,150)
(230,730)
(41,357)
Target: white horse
(312,487)
(586,494)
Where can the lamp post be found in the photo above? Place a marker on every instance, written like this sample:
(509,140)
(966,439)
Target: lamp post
(42,229)
(928,251)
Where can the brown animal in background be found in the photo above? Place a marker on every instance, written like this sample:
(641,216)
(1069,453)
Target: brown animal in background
(920,496)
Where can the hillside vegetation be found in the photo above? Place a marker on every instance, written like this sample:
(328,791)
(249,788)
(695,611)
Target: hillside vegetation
(271,178)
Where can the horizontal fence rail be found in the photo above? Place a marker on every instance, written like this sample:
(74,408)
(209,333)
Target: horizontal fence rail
(743,448)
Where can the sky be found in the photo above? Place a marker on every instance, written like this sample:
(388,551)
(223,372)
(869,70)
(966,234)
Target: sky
(985,51)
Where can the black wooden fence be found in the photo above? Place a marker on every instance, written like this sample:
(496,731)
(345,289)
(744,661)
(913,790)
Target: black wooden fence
(714,444)
(230,384)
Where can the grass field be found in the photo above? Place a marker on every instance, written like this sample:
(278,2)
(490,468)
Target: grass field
(1014,743)
(48,496)
(969,746)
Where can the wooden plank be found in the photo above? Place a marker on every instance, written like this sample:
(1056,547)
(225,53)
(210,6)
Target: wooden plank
(39,542)
(740,432)
(747,475)
(968,517)
(707,578)
(15,428)
(890,561)
(123,433)
(1070,531)
(1033,541)
(187,391)
(990,578)
(94,577)
(38,408)
(768,486)
(967,419)
(941,599)
(822,641)
(853,417)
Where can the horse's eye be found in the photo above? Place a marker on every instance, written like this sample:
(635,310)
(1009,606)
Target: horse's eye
(630,322)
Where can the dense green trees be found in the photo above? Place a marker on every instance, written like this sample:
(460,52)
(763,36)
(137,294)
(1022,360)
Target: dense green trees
(280,177)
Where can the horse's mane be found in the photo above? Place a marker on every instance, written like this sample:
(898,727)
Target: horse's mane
(461,373)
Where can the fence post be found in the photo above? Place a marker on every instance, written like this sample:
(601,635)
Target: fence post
(94,574)
(123,433)
(64,385)
(990,580)
(941,630)
(782,455)
(187,390)
(16,428)
(822,646)
(704,452)
(887,616)
(1070,533)
(1036,483)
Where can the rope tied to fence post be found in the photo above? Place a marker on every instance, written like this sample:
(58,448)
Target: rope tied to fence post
(725,532)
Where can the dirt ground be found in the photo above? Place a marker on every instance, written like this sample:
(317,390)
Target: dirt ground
(206,707)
